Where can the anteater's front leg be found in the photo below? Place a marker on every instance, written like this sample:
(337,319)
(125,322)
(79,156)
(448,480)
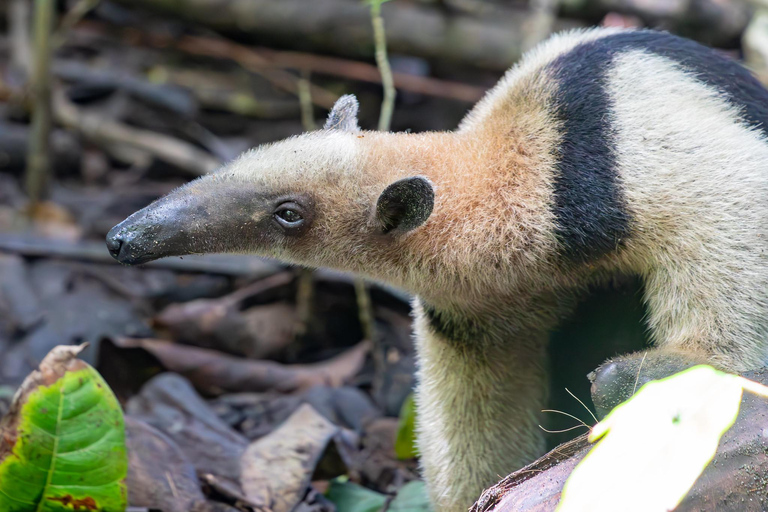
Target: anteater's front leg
(479,397)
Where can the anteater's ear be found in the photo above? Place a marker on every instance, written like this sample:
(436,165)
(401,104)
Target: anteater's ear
(405,204)
(343,115)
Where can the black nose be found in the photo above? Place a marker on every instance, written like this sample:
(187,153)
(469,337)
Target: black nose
(114,242)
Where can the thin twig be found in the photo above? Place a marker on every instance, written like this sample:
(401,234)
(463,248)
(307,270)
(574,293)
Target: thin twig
(304,89)
(305,289)
(19,21)
(387,82)
(71,18)
(364,303)
(365,309)
(305,294)
(38,159)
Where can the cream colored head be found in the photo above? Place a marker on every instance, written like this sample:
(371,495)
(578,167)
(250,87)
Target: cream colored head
(318,199)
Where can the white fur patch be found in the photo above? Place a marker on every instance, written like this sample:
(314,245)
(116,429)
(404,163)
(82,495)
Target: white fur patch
(532,63)
(696,181)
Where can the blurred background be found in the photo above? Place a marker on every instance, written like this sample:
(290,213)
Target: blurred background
(135,97)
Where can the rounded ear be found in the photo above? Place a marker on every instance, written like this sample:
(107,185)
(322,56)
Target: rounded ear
(343,115)
(405,204)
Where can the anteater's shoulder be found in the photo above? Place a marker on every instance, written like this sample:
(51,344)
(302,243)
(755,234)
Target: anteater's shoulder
(572,67)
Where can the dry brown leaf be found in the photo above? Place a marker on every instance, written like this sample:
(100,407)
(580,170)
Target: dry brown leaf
(159,474)
(223,324)
(275,471)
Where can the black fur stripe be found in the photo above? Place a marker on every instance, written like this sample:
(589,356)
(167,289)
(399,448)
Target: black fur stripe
(452,327)
(590,210)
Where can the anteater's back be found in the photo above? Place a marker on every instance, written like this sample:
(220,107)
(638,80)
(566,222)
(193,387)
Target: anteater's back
(660,170)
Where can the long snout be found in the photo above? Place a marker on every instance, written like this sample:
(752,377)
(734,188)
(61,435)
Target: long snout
(151,233)
(201,217)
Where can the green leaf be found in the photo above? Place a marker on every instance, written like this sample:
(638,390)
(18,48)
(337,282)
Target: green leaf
(62,444)
(412,497)
(405,442)
(654,446)
(349,497)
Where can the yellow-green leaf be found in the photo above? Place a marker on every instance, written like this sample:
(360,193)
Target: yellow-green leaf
(62,444)
(405,442)
(653,447)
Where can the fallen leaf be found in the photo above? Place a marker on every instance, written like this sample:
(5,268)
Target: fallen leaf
(257,414)
(351,497)
(159,474)
(169,403)
(225,324)
(412,497)
(63,440)
(276,470)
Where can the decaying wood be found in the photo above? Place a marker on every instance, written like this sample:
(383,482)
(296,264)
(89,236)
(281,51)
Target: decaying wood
(343,27)
(537,486)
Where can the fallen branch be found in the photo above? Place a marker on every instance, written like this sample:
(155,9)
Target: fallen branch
(214,372)
(343,27)
(364,72)
(252,61)
(106,132)
(261,59)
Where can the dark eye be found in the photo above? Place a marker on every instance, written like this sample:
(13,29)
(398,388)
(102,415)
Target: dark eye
(288,215)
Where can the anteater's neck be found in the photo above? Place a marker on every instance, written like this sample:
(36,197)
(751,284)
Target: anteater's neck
(490,228)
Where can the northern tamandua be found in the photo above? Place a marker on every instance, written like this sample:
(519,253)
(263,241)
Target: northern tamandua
(602,152)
